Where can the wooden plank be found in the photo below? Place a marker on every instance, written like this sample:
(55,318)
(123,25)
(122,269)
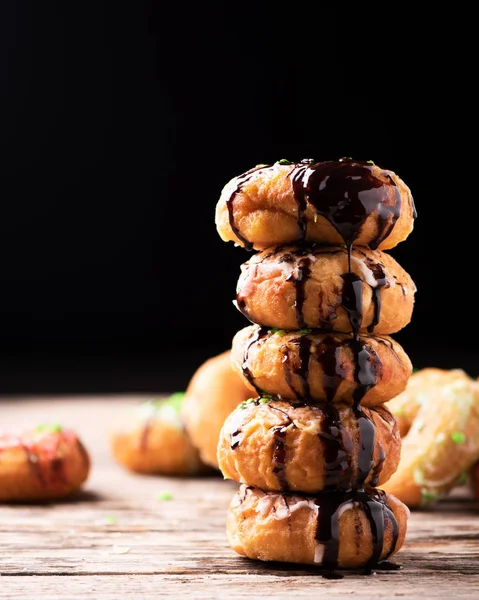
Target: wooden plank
(178,548)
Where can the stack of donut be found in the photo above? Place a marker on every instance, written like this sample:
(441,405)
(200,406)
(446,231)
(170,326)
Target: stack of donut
(323,297)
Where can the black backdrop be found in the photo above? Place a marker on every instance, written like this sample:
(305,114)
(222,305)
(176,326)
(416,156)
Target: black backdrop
(120,125)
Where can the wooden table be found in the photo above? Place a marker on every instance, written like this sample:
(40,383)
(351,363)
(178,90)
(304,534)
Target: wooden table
(117,540)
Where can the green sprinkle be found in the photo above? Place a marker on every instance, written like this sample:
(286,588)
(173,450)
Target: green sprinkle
(111,520)
(163,496)
(458,437)
(284,161)
(264,400)
(175,401)
(305,331)
(245,403)
(428,496)
(462,479)
(48,429)
(370,162)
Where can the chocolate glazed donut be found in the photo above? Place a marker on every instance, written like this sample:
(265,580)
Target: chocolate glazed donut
(293,287)
(278,446)
(328,202)
(316,366)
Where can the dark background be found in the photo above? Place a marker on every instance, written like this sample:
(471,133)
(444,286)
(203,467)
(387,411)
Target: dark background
(119,127)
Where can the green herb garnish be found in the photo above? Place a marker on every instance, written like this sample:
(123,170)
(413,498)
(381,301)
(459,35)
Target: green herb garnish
(274,330)
(305,331)
(462,479)
(111,520)
(370,162)
(48,428)
(175,401)
(428,496)
(284,161)
(458,437)
(245,403)
(163,496)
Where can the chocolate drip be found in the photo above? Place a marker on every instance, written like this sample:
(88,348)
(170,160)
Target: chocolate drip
(260,333)
(299,279)
(327,355)
(240,181)
(279,457)
(337,449)
(385,565)
(395,526)
(378,467)
(375,513)
(235,439)
(352,300)
(388,215)
(374,505)
(300,368)
(377,269)
(345,193)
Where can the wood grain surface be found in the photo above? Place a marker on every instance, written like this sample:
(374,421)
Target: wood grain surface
(117,540)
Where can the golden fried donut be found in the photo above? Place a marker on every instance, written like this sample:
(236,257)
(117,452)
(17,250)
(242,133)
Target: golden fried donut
(153,439)
(321,366)
(41,464)
(291,288)
(423,386)
(441,445)
(329,202)
(277,446)
(301,529)
(213,392)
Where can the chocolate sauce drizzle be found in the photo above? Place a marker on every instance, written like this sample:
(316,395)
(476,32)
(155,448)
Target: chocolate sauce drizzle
(345,193)
(240,181)
(259,334)
(373,503)
(279,457)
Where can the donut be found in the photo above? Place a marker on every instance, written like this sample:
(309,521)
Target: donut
(423,386)
(213,392)
(292,288)
(329,202)
(334,529)
(319,366)
(278,446)
(40,464)
(152,439)
(441,446)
